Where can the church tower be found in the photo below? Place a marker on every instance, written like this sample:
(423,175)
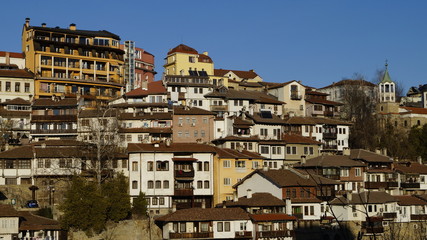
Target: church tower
(387,88)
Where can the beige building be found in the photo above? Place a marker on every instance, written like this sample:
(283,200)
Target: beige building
(292,93)
(192,125)
(15,83)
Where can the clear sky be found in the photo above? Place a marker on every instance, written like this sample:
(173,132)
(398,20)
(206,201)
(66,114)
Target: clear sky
(315,41)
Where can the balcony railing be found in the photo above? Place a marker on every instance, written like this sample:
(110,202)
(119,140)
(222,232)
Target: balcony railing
(53,131)
(298,215)
(392,215)
(219,108)
(418,217)
(330,147)
(296,96)
(377,185)
(184,173)
(191,235)
(410,185)
(183,192)
(62,118)
(275,234)
(243,234)
(330,135)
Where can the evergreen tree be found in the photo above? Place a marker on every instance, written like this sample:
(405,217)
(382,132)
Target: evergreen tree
(84,207)
(139,206)
(115,191)
(418,142)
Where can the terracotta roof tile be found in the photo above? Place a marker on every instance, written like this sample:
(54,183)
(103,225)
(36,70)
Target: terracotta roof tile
(241,74)
(299,121)
(91,33)
(48,102)
(231,153)
(174,147)
(323,102)
(146,116)
(23,152)
(293,138)
(270,217)
(16,101)
(332,161)
(34,222)
(8,211)
(16,73)
(12,54)
(367,156)
(205,214)
(350,82)
(274,120)
(146,130)
(183,49)
(180,110)
(367,197)
(414,110)
(406,200)
(410,167)
(139,105)
(257,200)
(153,88)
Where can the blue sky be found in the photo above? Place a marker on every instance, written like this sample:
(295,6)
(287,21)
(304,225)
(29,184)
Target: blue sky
(315,41)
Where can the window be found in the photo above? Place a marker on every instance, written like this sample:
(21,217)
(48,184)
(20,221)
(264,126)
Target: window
(192,59)
(358,172)
(294,193)
(40,163)
(166,184)
(220,227)
(150,166)
(187,134)
(140,138)
(227,226)
(11,181)
(150,185)
(308,151)
(206,184)
(134,184)
(17,87)
(344,172)
(154,201)
(199,184)
(182,227)
(226,163)
(129,138)
(124,163)
(158,184)
(205,120)
(162,166)
(206,166)
(291,150)
(134,166)
(202,133)
(240,164)
(25,164)
(196,133)
(255,165)
(161,201)
(7,87)
(265,150)
(199,166)
(242,226)
(227,181)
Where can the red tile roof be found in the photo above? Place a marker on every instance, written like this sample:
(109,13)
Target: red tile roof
(262,199)
(174,147)
(12,54)
(180,110)
(153,88)
(205,214)
(414,110)
(8,211)
(323,102)
(34,223)
(183,49)
(367,156)
(16,101)
(293,138)
(272,217)
(146,130)
(241,74)
(231,153)
(406,200)
(48,102)
(350,82)
(16,73)
(410,167)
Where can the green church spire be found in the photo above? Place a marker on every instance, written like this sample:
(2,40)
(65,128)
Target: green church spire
(386,76)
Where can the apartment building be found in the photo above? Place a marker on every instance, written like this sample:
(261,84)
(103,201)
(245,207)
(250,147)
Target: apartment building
(70,62)
(192,125)
(292,93)
(15,83)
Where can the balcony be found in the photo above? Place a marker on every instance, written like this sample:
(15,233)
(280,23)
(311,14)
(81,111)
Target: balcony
(298,215)
(191,235)
(54,118)
(418,217)
(378,185)
(296,96)
(330,147)
(222,108)
(389,216)
(410,185)
(329,113)
(275,234)
(184,173)
(243,234)
(330,135)
(53,131)
(183,192)
(371,230)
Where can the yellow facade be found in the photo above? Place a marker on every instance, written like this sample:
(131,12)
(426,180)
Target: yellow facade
(233,169)
(183,59)
(71,62)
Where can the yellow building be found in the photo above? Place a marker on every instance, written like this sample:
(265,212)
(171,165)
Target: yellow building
(230,166)
(69,62)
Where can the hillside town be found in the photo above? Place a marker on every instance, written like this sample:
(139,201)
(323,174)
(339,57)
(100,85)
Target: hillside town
(217,153)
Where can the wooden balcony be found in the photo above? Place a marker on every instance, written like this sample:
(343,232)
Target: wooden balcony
(54,118)
(184,173)
(275,234)
(418,217)
(392,215)
(194,235)
(330,147)
(298,215)
(183,192)
(219,108)
(330,135)
(53,131)
(296,96)
(243,234)
(378,185)
(410,185)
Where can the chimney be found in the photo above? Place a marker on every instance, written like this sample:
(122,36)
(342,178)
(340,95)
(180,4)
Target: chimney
(205,53)
(251,70)
(43,24)
(349,197)
(377,151)
(248,193)
(303,159)
(346,151)
(224,205)
(73,26)
(288,206)
(235,198)
(265,168)
(203,204)
(420,160)
(27,22)
(173,207)
(384,151)
(7,58)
